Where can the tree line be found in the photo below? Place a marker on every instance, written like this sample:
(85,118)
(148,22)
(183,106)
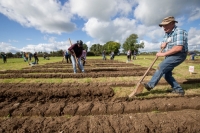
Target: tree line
(131,43)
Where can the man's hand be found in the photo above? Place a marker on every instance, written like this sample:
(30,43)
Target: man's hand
(159,54)
(174,50)
(73,53)
(163,45)
(83,59)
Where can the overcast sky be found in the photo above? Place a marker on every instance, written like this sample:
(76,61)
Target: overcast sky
(46,25)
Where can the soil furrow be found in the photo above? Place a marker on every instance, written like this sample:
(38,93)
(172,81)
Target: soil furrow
(137,122)
(71,107)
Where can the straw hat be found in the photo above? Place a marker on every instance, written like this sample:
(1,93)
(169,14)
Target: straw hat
(167,20)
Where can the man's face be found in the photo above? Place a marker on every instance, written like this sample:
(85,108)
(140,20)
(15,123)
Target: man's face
(169,27)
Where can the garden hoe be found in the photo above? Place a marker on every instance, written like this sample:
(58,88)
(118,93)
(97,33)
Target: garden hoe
(77,65)
(139,87)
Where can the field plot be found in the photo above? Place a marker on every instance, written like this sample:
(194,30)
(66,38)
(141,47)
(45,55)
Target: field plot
(93,102)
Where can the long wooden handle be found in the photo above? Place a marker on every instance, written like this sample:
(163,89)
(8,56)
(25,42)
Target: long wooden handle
(70,41)
(139,86)
(150,67)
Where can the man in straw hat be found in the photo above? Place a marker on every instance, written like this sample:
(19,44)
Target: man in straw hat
(175,43)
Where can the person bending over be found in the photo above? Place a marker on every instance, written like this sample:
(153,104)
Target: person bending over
(76,52)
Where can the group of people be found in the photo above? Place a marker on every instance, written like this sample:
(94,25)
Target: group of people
(27,56)
(129,54)
(112,55)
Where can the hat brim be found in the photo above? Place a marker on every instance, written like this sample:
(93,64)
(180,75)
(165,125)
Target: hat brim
(165,23)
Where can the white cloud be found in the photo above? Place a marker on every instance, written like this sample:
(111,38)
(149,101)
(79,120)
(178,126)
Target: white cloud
(101,9)
(6,47)
(119,29)
(194,39)
(151,12)
(48,47)
(89,44)
(116,30)
(48,16)
(12,41)
(148,15)
(103,20)
(195,14)
(154,47)
(28,39)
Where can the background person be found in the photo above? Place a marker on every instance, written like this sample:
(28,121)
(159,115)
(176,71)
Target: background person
(44,56)
(4,57)
(104,55)
(76,52)
(36,58)
(134,54)
(128,55)
(83,57)
(67,56)
(175,54)
(25,56)
(112,55)
(192,55)
(30,56)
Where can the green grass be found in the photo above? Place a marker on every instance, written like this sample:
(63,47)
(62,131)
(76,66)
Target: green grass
(18,63)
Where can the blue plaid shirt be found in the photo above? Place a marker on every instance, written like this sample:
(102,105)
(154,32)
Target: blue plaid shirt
(178,37)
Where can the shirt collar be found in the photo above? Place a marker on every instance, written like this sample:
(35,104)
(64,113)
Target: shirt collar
(169,34)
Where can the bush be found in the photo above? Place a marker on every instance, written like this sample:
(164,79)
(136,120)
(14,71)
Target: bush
(90,54)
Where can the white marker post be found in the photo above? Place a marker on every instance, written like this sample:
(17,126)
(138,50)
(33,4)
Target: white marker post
(191,69)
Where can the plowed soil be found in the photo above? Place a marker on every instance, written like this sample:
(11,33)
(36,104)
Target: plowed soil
(74,107)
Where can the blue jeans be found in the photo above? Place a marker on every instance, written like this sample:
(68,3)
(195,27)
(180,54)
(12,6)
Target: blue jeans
(79,63)
(165,70)
(104,57)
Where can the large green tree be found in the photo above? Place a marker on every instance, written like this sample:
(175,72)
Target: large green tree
(18,55)
(85,47)
(96,49)
(132,43)
(112,46)
(9,54)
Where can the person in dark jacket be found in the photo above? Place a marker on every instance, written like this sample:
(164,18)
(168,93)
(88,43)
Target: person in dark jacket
(192,55)
(4,57)
(76,52)
(67,56)
(36,58)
